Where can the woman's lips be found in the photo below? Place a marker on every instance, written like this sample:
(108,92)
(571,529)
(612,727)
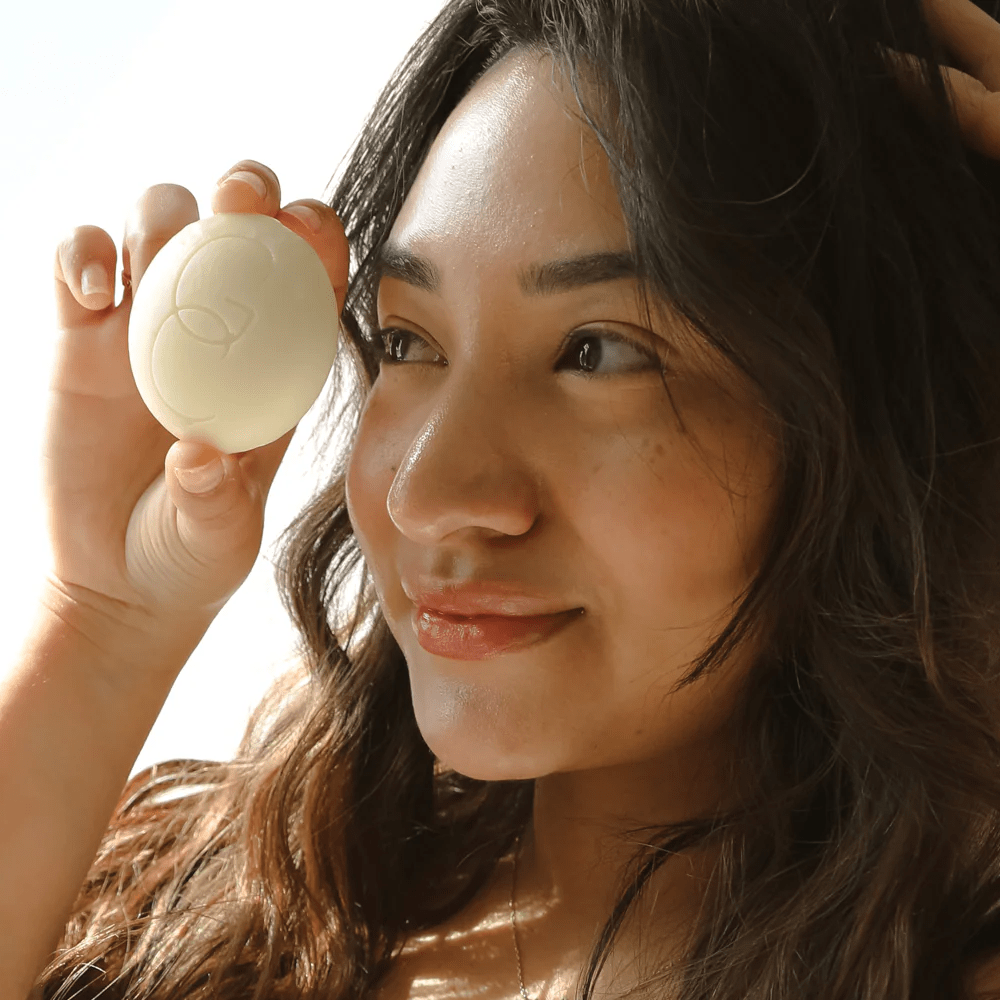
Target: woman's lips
(483,636)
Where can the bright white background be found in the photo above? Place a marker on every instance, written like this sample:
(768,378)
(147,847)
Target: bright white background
(99,101)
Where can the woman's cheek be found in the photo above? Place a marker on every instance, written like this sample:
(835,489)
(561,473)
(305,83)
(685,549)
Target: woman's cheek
(371,469)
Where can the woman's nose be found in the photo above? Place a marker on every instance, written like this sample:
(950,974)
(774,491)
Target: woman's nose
(468,467)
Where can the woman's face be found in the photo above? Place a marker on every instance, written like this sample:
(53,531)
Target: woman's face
(515,440)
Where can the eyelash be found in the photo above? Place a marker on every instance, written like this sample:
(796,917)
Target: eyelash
(572,341)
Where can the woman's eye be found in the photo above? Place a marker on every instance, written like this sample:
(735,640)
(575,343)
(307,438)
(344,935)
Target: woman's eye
(394,343)
(584,352)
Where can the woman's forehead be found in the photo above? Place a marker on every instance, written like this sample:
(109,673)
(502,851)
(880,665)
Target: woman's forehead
(514,170)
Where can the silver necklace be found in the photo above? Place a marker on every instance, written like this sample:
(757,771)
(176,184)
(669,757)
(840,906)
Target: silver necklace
(513,929)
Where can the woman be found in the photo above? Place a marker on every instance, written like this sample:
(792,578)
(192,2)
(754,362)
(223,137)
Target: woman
(676,331)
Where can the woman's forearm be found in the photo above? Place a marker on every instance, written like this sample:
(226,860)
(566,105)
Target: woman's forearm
(75,709)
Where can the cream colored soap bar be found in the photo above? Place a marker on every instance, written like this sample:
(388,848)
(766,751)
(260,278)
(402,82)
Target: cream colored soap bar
(233,331)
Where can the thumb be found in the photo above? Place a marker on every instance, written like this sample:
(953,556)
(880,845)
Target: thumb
(220,498)
(220,511)
(196,532)
(199,468)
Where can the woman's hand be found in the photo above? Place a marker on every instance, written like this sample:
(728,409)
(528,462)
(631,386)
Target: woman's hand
(973,37)
(128,542)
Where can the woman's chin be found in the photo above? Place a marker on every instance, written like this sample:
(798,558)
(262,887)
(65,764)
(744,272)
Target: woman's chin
(487,770)
(477,756)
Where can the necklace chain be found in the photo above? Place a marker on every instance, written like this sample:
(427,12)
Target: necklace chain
(513,929)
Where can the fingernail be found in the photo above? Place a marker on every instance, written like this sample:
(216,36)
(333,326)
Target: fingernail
(94,279)
(247,177)
(201,479)
(307,215)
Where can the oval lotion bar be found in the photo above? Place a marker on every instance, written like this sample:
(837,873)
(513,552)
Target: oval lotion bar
(233,331)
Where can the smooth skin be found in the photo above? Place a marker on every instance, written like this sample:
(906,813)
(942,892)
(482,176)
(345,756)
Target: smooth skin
(483,454)
(488,454)
(122,529)
(141,567)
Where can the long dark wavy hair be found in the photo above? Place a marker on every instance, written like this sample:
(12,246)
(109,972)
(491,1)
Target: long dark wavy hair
(839,248)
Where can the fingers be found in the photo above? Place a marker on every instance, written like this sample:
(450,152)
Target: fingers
(970,34)
(250,186)
(327,239)
(973,38)
(84,273)
(161,212)
(977,109)
(86,260)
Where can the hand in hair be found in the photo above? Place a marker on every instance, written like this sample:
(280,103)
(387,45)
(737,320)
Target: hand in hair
(973,37)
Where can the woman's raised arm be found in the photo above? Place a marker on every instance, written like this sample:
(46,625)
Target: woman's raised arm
(140,567)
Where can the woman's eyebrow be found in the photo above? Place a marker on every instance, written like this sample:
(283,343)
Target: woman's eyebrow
(577,272)
(392,261)
(550,278)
